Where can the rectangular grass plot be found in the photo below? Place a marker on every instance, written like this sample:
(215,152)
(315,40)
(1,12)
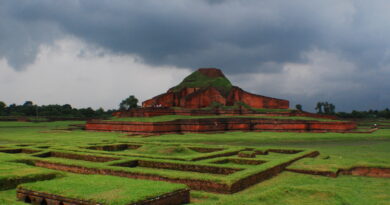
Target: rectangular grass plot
(97,189)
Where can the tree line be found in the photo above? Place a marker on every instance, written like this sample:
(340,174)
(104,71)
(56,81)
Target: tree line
(29,109)
(366,114)
(330,109)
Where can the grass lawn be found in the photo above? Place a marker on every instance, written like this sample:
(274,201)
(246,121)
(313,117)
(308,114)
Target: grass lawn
(337,151)
(293,189)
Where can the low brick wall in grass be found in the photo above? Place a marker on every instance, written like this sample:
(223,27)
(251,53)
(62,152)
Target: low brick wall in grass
(195,184)
(17,151)
(367,171)
(356,171)
(91,158)
(181,167)
(221,125)
(267,174)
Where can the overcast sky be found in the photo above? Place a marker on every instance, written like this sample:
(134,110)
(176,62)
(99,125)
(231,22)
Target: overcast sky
(94,53)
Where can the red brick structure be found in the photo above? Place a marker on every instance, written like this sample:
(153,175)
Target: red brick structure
(221,125)
(199,97)
(202,89)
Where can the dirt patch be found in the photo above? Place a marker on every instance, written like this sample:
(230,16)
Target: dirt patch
(367,171)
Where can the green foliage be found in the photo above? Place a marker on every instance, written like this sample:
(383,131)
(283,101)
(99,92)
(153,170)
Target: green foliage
(325,108)
(298,107)
(370,114)
(2,105)
(129,103)
(198,80)
(51,112)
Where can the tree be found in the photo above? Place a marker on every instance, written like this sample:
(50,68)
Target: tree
(332,108)
(298,107)
(28,104)
(2,107)
(319,107)
(129,103)
(326,108)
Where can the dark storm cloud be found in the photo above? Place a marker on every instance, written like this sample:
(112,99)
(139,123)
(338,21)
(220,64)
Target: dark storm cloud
(239,36)
(20,39)
(340,49)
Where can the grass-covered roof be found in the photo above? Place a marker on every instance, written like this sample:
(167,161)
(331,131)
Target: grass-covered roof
(199,79)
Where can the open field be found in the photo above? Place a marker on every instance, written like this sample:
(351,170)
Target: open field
(218,163)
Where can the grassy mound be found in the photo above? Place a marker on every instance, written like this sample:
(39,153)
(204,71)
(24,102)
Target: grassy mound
(199,80)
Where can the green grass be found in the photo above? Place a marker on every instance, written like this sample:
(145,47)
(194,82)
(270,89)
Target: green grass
(45,132)
(69,158)
(297,189)
(198,80)
(166,118)
(12,174)
(337,151)
(8,197)
(165,150)
(104,189)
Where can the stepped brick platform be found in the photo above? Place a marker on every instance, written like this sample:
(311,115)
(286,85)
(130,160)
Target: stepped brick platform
(208,92)
(155,111)
(198,98)
(221,125)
